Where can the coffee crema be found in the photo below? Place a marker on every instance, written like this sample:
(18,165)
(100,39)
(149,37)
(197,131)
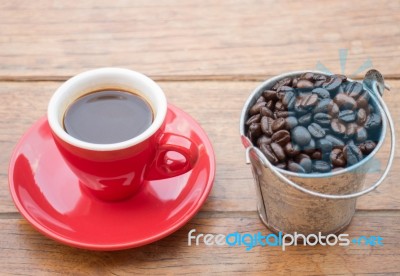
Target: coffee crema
(108,116)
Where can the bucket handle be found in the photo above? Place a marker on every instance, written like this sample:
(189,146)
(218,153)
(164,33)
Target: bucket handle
(378,98)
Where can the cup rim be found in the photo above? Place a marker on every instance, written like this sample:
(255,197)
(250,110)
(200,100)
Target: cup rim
(276,78)
(56,100)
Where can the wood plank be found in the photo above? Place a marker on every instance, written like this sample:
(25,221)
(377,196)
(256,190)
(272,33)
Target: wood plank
(217,106)
(192,38)
(25,251)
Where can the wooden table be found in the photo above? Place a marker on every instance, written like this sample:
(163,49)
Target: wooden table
(207,56)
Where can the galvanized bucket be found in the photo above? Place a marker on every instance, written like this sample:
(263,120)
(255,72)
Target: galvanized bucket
(311,203)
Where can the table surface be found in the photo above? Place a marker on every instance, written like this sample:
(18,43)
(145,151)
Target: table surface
(207,56)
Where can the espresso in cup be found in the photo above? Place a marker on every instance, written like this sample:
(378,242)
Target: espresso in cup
(108,116)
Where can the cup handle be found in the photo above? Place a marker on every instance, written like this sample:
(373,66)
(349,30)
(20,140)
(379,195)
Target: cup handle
(175,155)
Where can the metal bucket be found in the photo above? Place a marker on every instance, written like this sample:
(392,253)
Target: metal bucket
(310,203)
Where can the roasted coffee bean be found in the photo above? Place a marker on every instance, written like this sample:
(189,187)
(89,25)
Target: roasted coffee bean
(266,123)
(264,139)
(300,156)
(319,83)
(281,166)
(310,147)
(322,93)
(291,122)
(284,114)
(305,119)
(316,130)
(306,163)
(261,99)
(253,119)
(345,102)
(307,76)
(294,167)
(336,142)
(333,109)
(265,111)
(304,84)
(278,151)
(282,137)
(279,106)
(253,135)
(361,116)
(270,95)
(292,149)
(374,121)
(309,101)
(324,145)
(301,136)
(337,158)
(278,124)
(352,154)
(322,119)
(322,106)
(332,83)
(321,166)
(297,104)
(256,108)
(361,134)
(255,129)
(269,154)
(284,89)
(338,127)
(351,130)
(289,99)
(294,82)
(284,82)
(353,89)
(362,100)
(319,77)
(316,155)
(276,86)
(271,104)
(347,116)
(303,94)
(367,147)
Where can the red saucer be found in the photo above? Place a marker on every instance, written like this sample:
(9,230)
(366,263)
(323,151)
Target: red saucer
(50,197)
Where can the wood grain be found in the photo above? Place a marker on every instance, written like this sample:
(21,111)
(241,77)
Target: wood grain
(217,107)
(196,39)
(207,56)
(25,251)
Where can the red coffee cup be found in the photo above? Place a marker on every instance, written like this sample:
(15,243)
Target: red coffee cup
(116,171)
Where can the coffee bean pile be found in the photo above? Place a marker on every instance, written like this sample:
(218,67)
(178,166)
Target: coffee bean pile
(314,123)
